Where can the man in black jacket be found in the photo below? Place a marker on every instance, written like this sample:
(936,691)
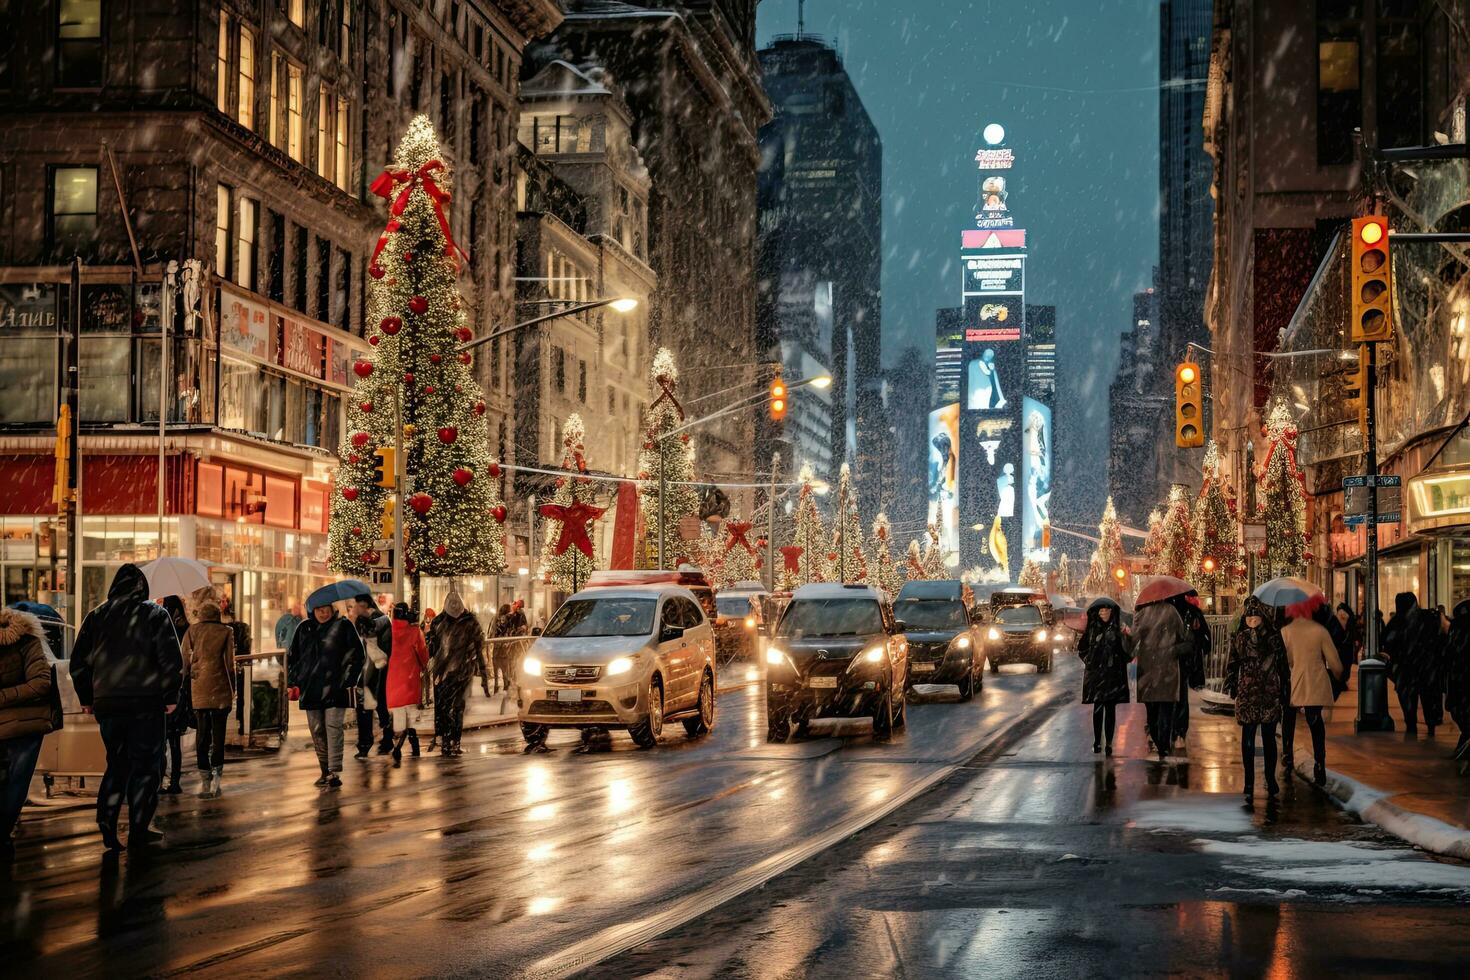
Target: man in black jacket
(374,627)
(126,667)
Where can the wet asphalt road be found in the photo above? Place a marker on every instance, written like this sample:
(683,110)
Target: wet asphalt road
(494,864)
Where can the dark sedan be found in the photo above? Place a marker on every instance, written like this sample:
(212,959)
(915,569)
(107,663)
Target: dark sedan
(1019,635)
(944,647)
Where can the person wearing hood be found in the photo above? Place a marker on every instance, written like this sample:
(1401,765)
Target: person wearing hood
(500,653)
(209,668)
(1161,643)
(1414,645)
(376,632)
(1192,668)
(127,668)
(1258,677)
(1352,631)
(25,714)
(406,674)
(1106,651)
(322,668)
(457,656)
(1312,657)
(178,723)
(1457,675)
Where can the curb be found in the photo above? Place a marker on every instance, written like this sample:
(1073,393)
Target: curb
(1374,806)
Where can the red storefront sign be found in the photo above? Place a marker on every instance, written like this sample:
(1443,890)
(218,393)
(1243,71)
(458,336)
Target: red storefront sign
(303,349)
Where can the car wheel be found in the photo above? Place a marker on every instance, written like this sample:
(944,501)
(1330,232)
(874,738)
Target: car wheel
(901,714)
(646,732)
(705,720)
(534,734)
(1045,666)
(883,715)
(967,684)
(778,722)
(994,667)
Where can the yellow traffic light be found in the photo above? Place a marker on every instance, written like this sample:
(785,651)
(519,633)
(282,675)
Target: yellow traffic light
(1120,575)
(1189,412)
(778,400)
(1208,565)
(1372,281)
(385,470)
(388,524)
(1353,385)
(61,493)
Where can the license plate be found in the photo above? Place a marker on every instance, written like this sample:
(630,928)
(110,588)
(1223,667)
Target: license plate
(922,668)
(568,695)
(822,682)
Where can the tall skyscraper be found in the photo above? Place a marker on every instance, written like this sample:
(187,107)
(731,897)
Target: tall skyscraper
(819,261)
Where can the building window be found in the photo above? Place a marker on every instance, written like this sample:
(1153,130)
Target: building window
(476,104)
(276,260)
(246,117)
(344,37)
(416,91)
(341,134)
(296,11)
(295,94)
(582,381)
(79,43)
(273,124)
(559,369)
(324,133)
(323,280)
(1400,75)
(245,243)
(298,269)
(223,210)
(612,400)
(73,206)
(1339,80)
(344,291)
(222,65)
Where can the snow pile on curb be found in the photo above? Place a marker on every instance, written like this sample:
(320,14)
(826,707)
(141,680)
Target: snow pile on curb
(1375,807)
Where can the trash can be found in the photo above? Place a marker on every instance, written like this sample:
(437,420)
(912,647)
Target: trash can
(1373,713)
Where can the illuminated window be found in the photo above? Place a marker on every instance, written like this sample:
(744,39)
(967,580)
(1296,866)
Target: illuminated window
(223,206)
(245,244)
(324,133)
(222,65)
(73,205)
(79,43)
(296,11)
(295,93)
(342,114)
(273,125)
(246,117)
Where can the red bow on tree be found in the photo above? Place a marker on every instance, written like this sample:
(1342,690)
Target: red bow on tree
(574,520)
(423,177)
(737,531)
(792,554)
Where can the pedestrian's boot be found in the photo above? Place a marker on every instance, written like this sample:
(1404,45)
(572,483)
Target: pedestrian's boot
(109,838)
(413,744)
(334,781)
(322,779)
(173,788)
(362,752)
(1319,774)
(1096,746)
(205,789)
(1287,762)
(218,772)
(398,755)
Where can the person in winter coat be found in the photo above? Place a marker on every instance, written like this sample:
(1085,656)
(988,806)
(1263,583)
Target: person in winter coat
(126,668)
(209,669)
(322,668)
(286,625)
(406,670)
(1352,630)
(500,653)
(1161,644)
(177,724)
(1414,647)
(25,714)
(1106,652)
(1258,676)
(376,632)
(1192,669)
(1312,656)
(457,649)
(1457,675)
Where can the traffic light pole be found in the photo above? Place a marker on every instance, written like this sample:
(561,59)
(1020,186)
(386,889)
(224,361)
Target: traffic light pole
(1371,717)
(71,391)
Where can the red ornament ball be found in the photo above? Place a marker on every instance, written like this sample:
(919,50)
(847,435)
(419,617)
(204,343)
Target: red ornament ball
(429,389)
(408,377)
(390,325)
(459,389)
(648,445)
(409,564)
(466,357)
(376,271)
(435,358)
(408,257)
(374,340)
(498,512)
(365,406)
(362,368)
(448,434)
(463,476)
(369,557)
(479,408)
(494,470)
(642,474)
(357,531)
(464,335)
(421,502)
(684,437)
(440,550)
(561,481)
(419,305)
(349,493)
(353,457)
(360,439)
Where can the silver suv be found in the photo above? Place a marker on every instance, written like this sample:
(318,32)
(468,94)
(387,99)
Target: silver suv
(629,657)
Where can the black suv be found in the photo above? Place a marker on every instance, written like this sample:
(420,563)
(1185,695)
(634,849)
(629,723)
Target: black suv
(837,652)
(944,643)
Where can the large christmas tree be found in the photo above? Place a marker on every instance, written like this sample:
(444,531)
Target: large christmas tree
(809,533)
(1219,561)
(882,570)
(1107,556)
(1176,536)
(671,457)
(567,556)
(1283,497)
(850,565)
(452,514)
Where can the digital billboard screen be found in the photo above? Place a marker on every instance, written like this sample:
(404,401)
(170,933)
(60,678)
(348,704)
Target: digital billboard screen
(944,477)
(1036,470)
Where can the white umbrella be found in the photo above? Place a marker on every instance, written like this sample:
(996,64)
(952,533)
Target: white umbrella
(175,576)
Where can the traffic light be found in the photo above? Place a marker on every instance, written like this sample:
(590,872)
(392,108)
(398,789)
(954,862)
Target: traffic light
(1353,385)
(387,527)
(1188,406)
(1372,281)
(1120,576)
(778,399)
(385,470)
(1208,565)
(61,493)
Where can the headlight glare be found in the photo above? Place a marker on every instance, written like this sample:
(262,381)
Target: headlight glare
(775,657)
(873,655)
(1041,635)
(993,634)
(750,622)
(531,666)
(963,643)
(620,665)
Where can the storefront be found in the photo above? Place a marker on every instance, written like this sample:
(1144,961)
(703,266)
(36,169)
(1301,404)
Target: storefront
(1437,502)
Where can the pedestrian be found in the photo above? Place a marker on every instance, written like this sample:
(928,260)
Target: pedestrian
(1192,669)
(1161,644)
(1414,647)
(1106,651)
(322,668)
(286,625)
(126,668)
(407,671)
(26,714)
(1457,676)
(209,672)
(178,723)
(1352,628)
(376,632)
(502,652)
(1312,657)
(1257,677)
(1341,642)
(457,652)
(241,629)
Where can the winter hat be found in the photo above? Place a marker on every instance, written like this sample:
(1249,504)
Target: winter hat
(208,612)
(453,605)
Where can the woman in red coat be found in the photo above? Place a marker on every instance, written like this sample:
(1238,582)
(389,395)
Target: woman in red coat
(406,668)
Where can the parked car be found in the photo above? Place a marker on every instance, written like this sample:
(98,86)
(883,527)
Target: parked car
(624,656)
(739,622)
(836,652)
(944,641)
(1020,634)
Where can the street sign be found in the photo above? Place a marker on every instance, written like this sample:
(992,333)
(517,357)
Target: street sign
(1384,517)
(1355,497)
(1255,535)
(380,572)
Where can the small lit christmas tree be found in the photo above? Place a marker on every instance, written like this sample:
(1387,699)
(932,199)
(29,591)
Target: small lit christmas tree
(452,515)
(809,533)
(1175,536)
(934,567)
(1065,580)
(567,557)
(737,553)
(1106,557)
(847,533)
(672,457)
(1219,560)
(913,563)
(882,570)
(1283,497)
(1031,575)
(1154,543)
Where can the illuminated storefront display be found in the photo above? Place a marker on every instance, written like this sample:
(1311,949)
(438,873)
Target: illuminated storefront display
(943,479)
(1036,478)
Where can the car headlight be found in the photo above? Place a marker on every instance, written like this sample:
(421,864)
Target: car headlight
(750,622)
(963,643)
(993,634)
(619,665)
(874,655)
(1041,636)
(775,657)
(531,666)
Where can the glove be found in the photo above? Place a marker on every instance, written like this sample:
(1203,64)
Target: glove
(294,693)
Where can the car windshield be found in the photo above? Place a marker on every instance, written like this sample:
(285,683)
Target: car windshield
(1019,616)
(830,617)
(931,614)
(733,605)
(603,617)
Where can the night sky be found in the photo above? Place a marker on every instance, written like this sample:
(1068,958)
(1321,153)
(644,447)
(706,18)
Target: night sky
(1074,82)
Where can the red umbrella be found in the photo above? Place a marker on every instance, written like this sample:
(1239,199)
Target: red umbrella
(1161,587)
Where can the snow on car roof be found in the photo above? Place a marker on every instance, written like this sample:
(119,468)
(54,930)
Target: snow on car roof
(649,591)
(832,591)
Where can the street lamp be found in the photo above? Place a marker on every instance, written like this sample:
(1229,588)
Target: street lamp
(619,304)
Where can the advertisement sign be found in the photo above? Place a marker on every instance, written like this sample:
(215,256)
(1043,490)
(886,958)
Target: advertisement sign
(29,308)
(949,353)
(303,349)
(996,163)
(246,326)
(994,357)
(944,471)
(1036,469)
(994,274)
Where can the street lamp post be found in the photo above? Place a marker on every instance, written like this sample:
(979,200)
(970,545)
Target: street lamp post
(620,304)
